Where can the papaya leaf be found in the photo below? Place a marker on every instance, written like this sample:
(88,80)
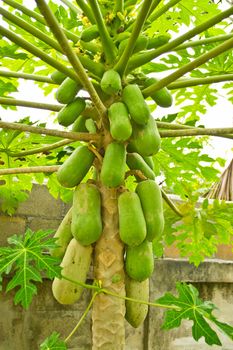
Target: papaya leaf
(53,342)
(27,258)
(191,307)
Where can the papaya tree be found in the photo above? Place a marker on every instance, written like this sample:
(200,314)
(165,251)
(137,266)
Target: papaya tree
(111,66)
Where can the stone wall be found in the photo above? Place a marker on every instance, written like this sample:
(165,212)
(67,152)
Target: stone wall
(26,329)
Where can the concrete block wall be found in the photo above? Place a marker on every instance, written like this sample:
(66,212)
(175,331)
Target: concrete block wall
(26,329)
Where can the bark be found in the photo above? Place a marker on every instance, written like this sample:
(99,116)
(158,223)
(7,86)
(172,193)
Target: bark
(108,312)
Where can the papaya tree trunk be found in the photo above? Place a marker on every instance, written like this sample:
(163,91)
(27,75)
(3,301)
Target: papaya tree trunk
(108,331)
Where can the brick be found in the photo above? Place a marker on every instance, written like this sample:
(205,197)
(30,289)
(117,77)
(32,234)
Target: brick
(224,252)
(41,203)
(9,226)
(37,223)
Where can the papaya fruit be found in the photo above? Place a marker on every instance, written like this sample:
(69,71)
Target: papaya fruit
(136,313)
(67,91)
(134,100)
(58,77)
(132,226)
(90,33)
(152,206)
(162,97)
(79,124)
(139,261)
(92,47)
(157,41)
(141,44)
(111,82)
(122,36)
(149,161)
(114,163)
(90,125)
(73,170)
(120,126)
(75,265)
(145,139)
(63,236)
(86,225)
(136,162)
(69,113)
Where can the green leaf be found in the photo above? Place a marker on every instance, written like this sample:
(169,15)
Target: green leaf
(191,307)
(27,258)
(53,342)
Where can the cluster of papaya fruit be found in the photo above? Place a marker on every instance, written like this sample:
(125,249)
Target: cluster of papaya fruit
(134,139)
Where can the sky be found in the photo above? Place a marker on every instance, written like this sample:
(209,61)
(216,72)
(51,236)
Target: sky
(220,115)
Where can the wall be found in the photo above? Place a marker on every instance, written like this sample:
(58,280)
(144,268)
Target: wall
(26,329)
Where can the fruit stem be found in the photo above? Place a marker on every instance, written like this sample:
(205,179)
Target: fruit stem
(108,45)
(37,16)
(122,64)
(37,52)
(82,318)
(81,74)
(189,67)
(141,59)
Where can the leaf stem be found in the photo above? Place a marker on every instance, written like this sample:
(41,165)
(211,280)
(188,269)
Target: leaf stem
(196,132)
(30,104)
(84,285)
(41,149)
(182,83)
(86,10)
(141,59)
(122,64)
(71,6)
(72,57)
(76,136)
(82,318)
(154,5)
(28,170)
(171,203)
(37,52)
(205,41)
(38,17)
(107,42)
(30,29)
(11,74)
(154,16)
(189,67)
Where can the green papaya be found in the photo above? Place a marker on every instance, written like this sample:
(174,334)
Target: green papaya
(150,162)
(86,225)
(145,139)
(141,44)
(157,41)
(139,261)
(79,124)
(67,91)
(136,162)
(63,236)
(91,47)
(75,265)
(137,106)
(120,126)
(69,113)
(162,97)
(111,82)
(152,206)
(90,33)
(122,36)
(135,312)
(132,226)
(114,163)
(58,77)
(90,125)
(73,170)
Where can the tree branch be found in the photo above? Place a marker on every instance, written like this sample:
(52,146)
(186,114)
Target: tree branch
(28,170)
(196,132)
(38,17)
(107,42)
(81,75)
(189,67)
(171,203)
(37,52)
(76,136)
(11,74)
(122,64)
(182,83)
(30,104)
(141,59)
(41,149)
